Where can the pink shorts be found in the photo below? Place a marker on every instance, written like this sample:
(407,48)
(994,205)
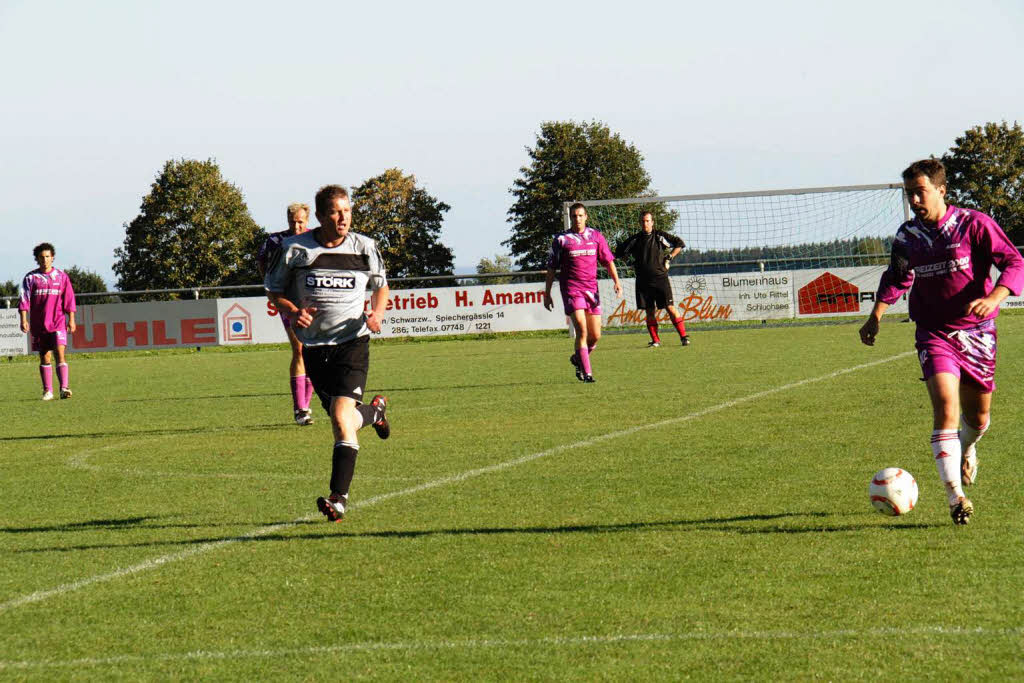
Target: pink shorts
(969,354)
(49,341)
(588,302)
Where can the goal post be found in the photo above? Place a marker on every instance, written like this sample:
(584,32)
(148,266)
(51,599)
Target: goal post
(779,254)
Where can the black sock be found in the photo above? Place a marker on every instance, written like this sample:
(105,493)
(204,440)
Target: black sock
(343,466)
(368,412)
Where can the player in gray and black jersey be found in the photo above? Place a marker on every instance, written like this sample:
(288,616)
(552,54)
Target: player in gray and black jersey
(319,279)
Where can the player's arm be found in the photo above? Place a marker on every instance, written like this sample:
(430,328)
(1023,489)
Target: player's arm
(25,302)
(896,279)
(378,304)
(625,246)
(1008,260)
(554,257)
(869,330)
(549,281)
(69,304)
(610,267)
(301,317)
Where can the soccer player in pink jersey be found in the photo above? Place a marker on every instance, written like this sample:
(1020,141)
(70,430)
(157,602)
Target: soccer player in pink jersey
(301,386)
(46,298)
(947,253)
(575,254)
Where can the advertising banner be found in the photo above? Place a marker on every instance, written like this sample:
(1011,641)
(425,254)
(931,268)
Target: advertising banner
(13,342)
(706,298)
(152,325)
(772,295)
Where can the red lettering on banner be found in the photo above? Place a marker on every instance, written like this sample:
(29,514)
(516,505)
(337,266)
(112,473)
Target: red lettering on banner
(272,309)
(198,331)
(160,337)
(512,298)
(139,333)
(99,337)
(462,298)
(701,308)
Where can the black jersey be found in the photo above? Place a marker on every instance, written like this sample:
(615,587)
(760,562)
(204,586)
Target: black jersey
(647,252)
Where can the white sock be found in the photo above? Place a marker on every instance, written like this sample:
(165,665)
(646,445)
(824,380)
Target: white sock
(970,435)
(946,449)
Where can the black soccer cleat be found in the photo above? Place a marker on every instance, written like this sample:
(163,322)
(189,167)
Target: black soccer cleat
(685,341)
(332,509)
(575,360)
(962,511)
(589,379)
(381,424)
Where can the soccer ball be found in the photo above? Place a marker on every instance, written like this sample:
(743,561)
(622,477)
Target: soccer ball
(893,491)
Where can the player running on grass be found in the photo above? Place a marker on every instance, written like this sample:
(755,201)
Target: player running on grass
(653,289)
(46,297)
(319,279)
(575,254)
(302,388)
(947,253)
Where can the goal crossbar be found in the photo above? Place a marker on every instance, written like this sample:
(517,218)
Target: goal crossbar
(733,195)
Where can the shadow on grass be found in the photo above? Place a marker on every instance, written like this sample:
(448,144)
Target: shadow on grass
(124,524)
(165,399)
(722,524)
(149,432)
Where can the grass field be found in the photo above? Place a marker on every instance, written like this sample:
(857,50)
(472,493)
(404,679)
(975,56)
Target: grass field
(697,513)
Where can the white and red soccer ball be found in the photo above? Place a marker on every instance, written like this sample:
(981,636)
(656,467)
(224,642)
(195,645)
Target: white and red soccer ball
(893,491)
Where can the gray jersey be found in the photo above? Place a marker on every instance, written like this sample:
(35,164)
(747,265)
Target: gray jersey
(333,279)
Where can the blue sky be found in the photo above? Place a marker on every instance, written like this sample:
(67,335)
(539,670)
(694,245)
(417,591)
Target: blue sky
(718,97)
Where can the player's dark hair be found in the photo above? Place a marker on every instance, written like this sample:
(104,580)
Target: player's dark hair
(577,205)
(930,168)
(646,213)
(326,195)
(40,248)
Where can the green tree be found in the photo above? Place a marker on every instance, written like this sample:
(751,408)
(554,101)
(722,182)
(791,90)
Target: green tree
(572,161)
(985,171)
(9,289)
(85,281)
(193,229)
(502,263)
(405,221)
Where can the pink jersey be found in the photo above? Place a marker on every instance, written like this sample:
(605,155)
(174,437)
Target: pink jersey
(575,255)
(47,297)
(948,266)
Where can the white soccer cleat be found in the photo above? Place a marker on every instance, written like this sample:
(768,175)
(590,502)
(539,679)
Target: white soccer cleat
(332,508)
(653,344)
(65,392)
(303,418)
(969,467)
(47,395)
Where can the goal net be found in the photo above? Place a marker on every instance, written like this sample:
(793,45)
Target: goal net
(782,254)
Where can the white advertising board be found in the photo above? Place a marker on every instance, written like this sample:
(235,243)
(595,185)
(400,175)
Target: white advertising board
(706,298)
(152,325)
(474,309)
(13,342)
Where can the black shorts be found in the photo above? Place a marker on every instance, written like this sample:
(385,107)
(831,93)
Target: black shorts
(338,369)
(654,293)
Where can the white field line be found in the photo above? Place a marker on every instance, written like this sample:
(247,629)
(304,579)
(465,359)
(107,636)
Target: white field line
(63,589)
(530,643)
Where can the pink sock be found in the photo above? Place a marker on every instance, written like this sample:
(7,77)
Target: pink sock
(309,391)
(62,375)
(298,391)
(584,354)
(46,374)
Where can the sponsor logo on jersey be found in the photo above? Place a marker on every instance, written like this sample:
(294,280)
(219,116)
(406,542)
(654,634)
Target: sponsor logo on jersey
(331,281)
